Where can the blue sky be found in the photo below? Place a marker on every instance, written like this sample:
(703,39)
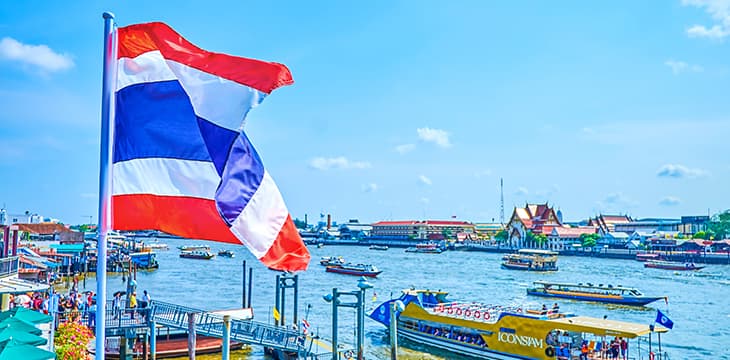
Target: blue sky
(408,109)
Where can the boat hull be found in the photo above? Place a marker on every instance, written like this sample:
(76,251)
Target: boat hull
(673,267)
(632,301)
(353,272)
(526,267)
(472,351)
(198,257)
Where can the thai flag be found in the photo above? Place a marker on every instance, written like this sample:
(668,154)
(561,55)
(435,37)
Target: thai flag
(305,326)
(181,162)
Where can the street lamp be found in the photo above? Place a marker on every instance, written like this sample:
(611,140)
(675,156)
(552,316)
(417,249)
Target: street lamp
(359,304)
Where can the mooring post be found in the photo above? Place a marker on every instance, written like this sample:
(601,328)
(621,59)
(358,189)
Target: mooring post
(226,337)
(153,340)
(277,308)
(191,336)
(243,287)
(335,348)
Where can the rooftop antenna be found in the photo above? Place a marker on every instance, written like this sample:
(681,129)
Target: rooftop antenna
(501,201)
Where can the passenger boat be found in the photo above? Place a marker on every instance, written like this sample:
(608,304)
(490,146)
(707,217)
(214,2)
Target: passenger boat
(354,269)
(378,247)
(145,260)
(502,332)
(331,260)
(531,260)
(648,256)
(672,265)
(425,248)
(589,292)
(194,247)
(226,253)
(197,254)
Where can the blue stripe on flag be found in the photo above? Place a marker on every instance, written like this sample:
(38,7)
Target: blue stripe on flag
(241,177)
(156,119)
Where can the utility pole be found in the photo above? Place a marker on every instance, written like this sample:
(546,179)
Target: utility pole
(501,201)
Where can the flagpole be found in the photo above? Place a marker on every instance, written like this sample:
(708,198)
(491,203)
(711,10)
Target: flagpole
(105,179)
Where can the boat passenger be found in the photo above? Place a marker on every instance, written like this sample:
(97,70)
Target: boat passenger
(544,310)
(624,348)
(556,308)
(584,350)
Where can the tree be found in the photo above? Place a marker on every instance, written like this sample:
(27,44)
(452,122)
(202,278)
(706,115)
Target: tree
(536,239)
(589,240)
(300,224)
(700,235)
(720,224)
(501,236)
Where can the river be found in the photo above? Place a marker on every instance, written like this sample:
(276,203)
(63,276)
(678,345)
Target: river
(698,301)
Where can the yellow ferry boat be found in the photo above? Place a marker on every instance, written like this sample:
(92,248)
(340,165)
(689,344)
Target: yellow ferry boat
(505,332)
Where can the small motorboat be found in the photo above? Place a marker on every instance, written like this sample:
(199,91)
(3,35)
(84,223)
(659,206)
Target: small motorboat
(193,247)
(354,269)
(378,247)
(197,254)
(226,253)
(672,265)
(331,260)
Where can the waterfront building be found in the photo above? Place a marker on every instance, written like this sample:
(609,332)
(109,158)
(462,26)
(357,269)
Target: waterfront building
(44,231)
(690,225)
(421,230)
(485,231)
(353,229)
(607,223)
(614,239)
(565,238)
(649,225)
(535,218)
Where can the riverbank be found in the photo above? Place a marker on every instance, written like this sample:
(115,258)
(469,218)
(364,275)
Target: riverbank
(623,254)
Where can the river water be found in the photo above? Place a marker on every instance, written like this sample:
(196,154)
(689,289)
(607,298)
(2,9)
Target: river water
(699,302)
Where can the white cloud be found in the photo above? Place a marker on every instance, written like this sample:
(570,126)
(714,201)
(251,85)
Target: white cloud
(340,162)
(40,56)
(681,66)
(521,191)
(719,10)
(436,136)
(424,180)
(483,174)
(670,201)
(616,202)
(372,187)
(425,200)
(402,149)
(678,171)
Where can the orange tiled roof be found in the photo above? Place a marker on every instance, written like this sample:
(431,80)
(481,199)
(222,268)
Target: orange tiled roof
(43,228)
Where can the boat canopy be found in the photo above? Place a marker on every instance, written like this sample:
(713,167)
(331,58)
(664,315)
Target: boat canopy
(604,327)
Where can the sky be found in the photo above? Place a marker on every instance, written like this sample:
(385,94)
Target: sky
(408,109)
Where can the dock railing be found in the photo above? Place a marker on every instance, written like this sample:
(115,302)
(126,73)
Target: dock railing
(9,266)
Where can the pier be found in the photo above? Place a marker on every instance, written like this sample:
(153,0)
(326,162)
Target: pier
(288,343)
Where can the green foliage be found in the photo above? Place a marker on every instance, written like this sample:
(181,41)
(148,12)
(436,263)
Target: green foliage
(300,224)
(720,224)
(700,235)
(538,239)
(501,236)
(589,240)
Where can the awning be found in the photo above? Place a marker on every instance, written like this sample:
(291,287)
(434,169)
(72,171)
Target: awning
(604,327)
(13,285)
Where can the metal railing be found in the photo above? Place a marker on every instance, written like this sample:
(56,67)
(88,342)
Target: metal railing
(245,331)
(9,266)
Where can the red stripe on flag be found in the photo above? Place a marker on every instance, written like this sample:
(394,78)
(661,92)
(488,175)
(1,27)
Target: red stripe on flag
(288,252)
(138,39)
(192,218)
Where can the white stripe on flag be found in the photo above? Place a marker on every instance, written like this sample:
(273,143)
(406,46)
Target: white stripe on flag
(215,99)
(167,177)
(261,220)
